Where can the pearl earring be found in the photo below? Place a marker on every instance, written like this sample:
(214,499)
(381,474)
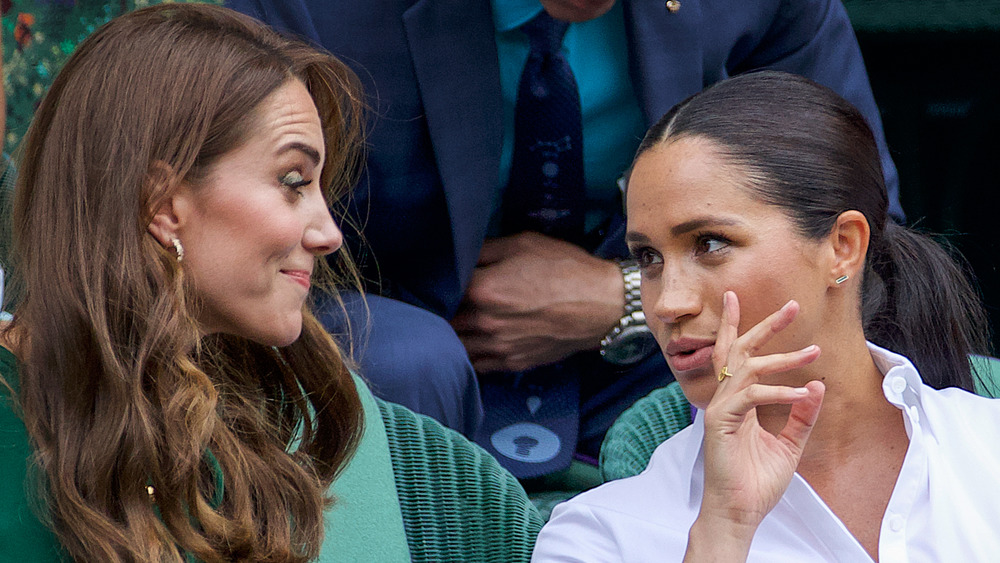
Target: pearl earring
(179,248)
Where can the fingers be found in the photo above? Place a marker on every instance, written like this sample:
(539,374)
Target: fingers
(803,417)
(728,329)
(777,363)
(762,332)
(494,251)
(759,394)
(738,352)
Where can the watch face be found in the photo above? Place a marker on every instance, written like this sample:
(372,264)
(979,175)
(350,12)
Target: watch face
(634,343)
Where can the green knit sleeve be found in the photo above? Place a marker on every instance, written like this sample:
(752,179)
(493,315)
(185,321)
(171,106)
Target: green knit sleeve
(23,537)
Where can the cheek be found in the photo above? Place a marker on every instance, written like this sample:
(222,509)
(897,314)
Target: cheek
(761,295)
(285,233)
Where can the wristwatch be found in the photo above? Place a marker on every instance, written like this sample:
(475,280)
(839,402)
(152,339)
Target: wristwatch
(630,341)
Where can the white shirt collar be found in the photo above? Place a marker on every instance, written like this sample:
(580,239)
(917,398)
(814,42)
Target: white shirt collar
(901,385)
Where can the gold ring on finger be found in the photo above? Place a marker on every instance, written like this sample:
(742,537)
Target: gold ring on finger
(724,373)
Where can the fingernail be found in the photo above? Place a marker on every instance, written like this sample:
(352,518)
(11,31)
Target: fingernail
(801,391)
(725,299)
(810,348)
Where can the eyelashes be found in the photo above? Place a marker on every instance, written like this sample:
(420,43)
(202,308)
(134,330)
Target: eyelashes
(294,182)
(645,257)
(706,246)
(293,179)
(708,243)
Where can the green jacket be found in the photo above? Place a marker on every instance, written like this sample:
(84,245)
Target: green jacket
(365,524)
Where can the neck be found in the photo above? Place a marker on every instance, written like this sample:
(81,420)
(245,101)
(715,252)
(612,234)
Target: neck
(854,409)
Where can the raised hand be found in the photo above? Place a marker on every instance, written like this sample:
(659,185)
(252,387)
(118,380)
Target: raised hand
(748,469)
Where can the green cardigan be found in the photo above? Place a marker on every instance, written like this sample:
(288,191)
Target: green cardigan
(364,524)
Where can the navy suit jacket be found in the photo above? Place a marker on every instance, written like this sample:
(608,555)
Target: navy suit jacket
(432,78)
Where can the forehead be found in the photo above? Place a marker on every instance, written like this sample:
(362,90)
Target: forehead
(690,181)
(686,172)
(289,110)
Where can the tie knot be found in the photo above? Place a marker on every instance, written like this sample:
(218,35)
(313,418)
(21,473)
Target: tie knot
(545,33)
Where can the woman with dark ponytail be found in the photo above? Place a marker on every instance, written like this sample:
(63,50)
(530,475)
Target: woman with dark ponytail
(776,286)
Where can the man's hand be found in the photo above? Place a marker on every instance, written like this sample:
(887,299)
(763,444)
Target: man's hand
(535,300)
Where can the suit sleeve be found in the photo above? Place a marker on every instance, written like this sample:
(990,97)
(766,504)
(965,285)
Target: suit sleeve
(814,38)
(287,16)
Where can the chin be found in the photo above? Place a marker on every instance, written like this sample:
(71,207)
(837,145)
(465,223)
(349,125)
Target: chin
(285,341)
(698,390)
(279,336)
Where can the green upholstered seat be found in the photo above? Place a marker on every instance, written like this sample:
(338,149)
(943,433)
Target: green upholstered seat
(458,504)
(987,371)
(631,440)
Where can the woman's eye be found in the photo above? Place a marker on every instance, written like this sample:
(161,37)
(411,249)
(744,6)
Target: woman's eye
(708,244)
(294,181)
(646,257)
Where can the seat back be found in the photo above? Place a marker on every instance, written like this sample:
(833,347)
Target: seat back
(458,504)
(645,425)
(987,372)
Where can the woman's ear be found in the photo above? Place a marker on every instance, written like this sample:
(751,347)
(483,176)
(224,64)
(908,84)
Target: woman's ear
(849,239)
(166,217)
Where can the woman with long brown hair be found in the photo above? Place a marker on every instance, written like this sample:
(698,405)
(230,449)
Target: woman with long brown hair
(166,385)
(169,211)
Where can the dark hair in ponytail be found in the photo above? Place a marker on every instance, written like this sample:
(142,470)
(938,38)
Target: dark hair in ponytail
(811,153)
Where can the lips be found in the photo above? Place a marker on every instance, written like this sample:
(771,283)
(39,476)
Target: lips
(300,277)
(685,354)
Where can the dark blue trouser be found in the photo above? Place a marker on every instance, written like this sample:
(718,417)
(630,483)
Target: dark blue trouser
(409,356)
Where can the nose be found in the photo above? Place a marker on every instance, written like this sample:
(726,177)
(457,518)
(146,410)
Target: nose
(670,297)
(322,235)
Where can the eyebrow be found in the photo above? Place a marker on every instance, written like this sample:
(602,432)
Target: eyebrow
(637,238)
(701,223)
(309,151)
(683,228)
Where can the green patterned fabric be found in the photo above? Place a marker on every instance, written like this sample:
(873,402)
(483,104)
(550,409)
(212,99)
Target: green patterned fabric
(630,441)
(458,503)
(38,37)
(6,204)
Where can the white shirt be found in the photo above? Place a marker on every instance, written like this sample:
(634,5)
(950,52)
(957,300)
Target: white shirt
(945,505)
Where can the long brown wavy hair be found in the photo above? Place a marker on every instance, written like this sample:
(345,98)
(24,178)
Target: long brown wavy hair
(118,390)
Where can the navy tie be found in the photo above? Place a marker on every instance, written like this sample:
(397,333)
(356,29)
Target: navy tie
(546,189)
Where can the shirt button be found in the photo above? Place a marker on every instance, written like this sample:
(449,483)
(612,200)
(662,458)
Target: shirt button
(896,523)
(914,414)
(898,384)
